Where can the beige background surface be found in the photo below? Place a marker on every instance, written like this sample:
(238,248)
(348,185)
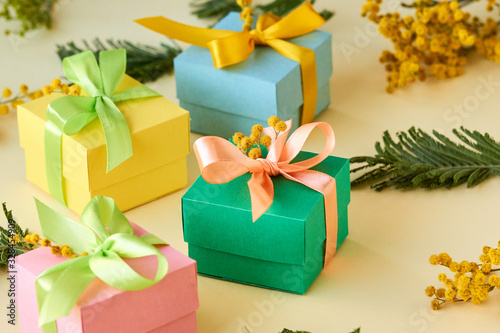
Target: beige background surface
(377,278)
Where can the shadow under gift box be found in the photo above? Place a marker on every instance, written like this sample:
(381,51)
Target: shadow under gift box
(234,98)
(283,249)
(160,143)
(166,307)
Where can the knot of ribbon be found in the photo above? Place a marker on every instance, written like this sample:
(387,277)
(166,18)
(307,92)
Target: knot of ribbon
(70,114)
(229,47)
(269,167)
(221,161)
(107,236)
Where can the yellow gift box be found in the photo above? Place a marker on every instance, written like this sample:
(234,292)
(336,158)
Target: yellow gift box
(160,143)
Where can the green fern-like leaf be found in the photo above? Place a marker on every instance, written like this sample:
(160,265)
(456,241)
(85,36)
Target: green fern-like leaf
(418,159)
(5,247)
(219,8)
(144,63)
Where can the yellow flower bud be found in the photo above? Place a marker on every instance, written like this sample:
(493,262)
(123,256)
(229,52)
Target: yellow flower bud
(7,93)
(458,15)
(435,304)
(66,251)
(280,126)
(65,88)
(75,90)
(273,120)
(47,90)
(429,291)
(45,242)
(255,153)
(486,268)
(4,109)
(450,294)
(23,89)
(266,140)
(440,293)
(35,238)
(257,129)
(454,266)
(56,84)
(244,3)
(237,137)
(245,143)
(55,249)
(38,93)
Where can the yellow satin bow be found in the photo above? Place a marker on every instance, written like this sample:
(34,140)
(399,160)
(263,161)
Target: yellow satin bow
(229,47)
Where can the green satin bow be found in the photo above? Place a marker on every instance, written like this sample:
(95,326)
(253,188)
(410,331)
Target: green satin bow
(58,288)
(69,114)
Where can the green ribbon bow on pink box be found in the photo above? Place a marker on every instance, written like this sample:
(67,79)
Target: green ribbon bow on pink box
(107,236)
(70,114)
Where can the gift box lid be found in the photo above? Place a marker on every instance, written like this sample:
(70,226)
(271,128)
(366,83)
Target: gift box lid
(102,308)
(158,127)
(286,231)
(255,86)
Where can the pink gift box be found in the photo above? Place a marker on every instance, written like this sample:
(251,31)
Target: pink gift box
(167,307)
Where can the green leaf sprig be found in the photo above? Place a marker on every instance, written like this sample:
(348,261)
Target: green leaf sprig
(144,63)
(32,14)
(20,247)
(421,160)
(219,8)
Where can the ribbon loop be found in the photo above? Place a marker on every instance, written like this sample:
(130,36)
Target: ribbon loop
(70,114)
(228,47)
(59,287)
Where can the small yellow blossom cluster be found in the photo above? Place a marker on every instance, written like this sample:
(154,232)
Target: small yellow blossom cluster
(251,146)
(246,13)
(434,42)
(469,283)
(63,250)
(7,99)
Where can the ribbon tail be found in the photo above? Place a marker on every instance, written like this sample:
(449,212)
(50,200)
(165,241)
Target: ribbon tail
(53,160)
(153,240)
(58,289)
(307,60)
(261,193)
(50,327)
(326,185)
(116,132)
(185,33)
(134,93)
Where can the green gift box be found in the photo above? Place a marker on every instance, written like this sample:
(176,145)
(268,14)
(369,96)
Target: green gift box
(283,249)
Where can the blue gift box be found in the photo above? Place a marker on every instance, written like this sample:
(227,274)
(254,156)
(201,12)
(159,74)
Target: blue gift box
(233,99)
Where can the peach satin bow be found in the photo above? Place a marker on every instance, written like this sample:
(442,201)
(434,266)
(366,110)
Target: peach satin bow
(221,161)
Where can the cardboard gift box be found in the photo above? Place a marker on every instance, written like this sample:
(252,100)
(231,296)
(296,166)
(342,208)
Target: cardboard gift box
(283,249)
(168,306)
(222,101)
(160,142)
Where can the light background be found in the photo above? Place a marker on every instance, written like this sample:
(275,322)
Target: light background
(378,277)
